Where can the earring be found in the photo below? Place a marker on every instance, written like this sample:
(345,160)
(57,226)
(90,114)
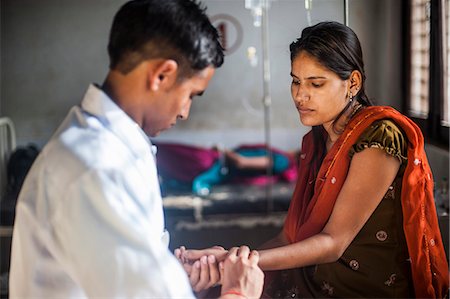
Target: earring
(351,97)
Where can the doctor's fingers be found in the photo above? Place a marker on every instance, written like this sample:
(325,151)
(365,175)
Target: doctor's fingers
(204,274)
(254,257)
(214,272)
(194,275)
(242,252)
(187,268)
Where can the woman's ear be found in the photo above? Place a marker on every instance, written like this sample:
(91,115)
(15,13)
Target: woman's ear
(355,82)
(162,74)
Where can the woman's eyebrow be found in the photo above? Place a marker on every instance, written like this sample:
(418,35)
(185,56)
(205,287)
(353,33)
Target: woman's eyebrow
(309,78)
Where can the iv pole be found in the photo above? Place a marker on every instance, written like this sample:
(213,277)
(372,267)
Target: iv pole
(260,13)
(267,101)
(346,12)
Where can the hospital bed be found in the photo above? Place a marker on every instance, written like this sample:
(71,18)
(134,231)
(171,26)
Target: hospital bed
(7,146)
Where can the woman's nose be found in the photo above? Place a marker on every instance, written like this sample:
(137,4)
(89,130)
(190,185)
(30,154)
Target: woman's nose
(300,95)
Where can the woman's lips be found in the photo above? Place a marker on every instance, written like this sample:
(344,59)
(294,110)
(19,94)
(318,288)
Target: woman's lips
(303,110)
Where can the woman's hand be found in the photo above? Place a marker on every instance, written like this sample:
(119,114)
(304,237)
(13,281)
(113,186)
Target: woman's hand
(192,255)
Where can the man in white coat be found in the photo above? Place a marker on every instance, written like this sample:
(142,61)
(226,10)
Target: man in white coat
(89,219)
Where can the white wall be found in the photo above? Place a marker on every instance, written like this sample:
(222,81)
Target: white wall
(231,111)
(381,47)
(52,49)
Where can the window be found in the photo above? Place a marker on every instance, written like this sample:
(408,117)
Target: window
(427,67)
(447,63)
(420,58)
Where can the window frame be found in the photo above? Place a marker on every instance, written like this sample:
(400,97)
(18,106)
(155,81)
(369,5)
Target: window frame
(435,132)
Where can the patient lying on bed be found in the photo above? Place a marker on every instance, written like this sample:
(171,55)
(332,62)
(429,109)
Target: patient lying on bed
(186,167)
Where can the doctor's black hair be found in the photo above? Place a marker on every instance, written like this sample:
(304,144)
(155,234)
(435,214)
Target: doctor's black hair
(168,29)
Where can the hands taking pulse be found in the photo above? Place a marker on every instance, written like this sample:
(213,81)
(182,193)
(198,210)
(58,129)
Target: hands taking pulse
(236,270)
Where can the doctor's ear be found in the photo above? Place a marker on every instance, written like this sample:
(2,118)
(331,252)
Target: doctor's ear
(162,74)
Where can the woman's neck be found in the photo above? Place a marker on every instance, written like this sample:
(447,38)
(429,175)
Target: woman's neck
(331,138)
(336,127)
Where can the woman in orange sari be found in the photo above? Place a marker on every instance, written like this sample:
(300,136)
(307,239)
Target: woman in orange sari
(362,221)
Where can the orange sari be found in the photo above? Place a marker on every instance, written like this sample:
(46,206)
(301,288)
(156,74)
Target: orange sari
(312,204)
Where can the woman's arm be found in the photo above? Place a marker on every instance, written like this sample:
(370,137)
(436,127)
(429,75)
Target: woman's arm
(187,257)
(278,241)
(371,173)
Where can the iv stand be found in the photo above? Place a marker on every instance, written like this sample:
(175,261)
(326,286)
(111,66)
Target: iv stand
(267,101)
(346,12)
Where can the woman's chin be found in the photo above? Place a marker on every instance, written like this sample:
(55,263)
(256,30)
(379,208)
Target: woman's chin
(307,122)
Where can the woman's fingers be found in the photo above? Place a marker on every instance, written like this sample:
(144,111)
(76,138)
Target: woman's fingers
(179,254)
(218,247)
(182,254)
(193,254)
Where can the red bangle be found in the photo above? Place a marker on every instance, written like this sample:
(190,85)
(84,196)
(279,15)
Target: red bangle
(233,292)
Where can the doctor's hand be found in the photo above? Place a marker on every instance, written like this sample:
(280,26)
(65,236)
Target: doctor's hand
(203,272)
(241,276)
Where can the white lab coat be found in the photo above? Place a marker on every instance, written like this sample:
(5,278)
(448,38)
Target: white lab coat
(89,218)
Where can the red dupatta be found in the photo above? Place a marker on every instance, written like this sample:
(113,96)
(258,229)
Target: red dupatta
(312,204)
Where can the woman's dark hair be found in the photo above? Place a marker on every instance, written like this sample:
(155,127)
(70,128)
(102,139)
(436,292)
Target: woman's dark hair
(170,29)
(336,47)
